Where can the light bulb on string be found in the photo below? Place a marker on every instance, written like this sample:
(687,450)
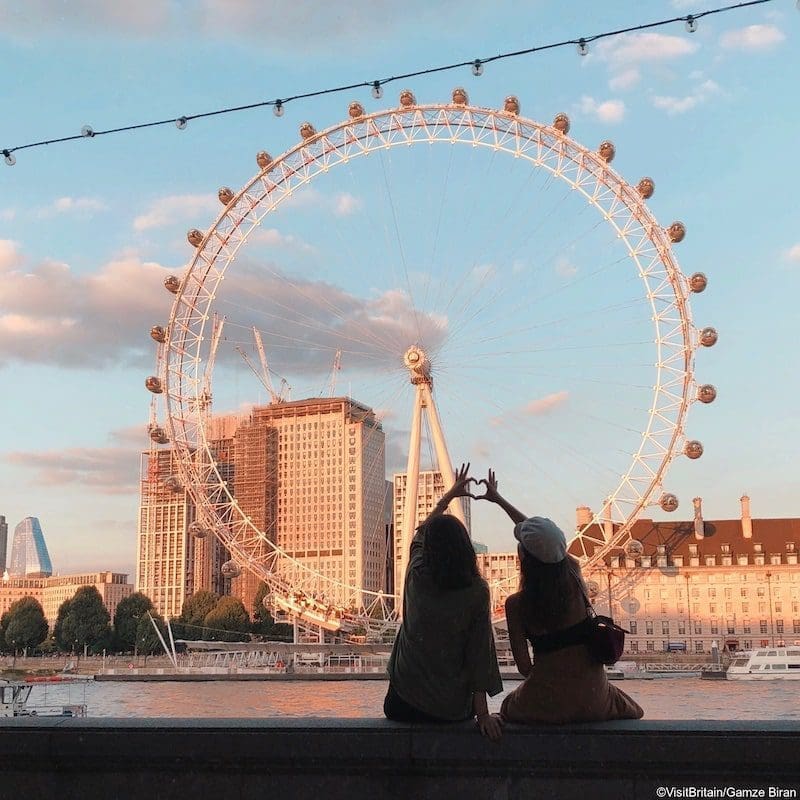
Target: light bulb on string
(10,158)
(87,131)
(278,109)
(583,48)
(691,24)
(377,90)
(477,67)
(181,123)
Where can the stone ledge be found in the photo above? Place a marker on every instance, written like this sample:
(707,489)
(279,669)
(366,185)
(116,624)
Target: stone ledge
(332,758)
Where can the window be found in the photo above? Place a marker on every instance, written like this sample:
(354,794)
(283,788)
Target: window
(651,646)
(796,626)
(632,626)
(731,628)
(698,629)
(698,647)
(743,591)
(714,626)
(634,647)
(712,592)
(778,626)
(665,628)
(682,628)
(763,626)
(746,626)
(648,628)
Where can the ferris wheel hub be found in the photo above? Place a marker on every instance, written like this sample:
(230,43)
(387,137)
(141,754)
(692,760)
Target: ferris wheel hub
(418,364)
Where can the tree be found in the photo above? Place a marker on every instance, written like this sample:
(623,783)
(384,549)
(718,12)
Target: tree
(263,622)
(147,641)
(25,624)
(86,621)
(194,611)
(127,616)
(228,621)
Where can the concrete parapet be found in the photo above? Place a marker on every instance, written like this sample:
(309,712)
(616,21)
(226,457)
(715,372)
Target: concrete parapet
(148,759)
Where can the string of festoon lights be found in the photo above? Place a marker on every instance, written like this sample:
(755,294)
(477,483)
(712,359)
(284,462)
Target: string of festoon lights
(476,65)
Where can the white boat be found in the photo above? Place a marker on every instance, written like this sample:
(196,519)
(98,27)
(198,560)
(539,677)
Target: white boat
(14,696)
(766,664)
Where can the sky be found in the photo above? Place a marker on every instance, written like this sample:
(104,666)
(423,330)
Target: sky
(544,346)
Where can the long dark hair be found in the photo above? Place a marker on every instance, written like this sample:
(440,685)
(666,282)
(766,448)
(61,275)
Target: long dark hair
(448,554)
(548,589)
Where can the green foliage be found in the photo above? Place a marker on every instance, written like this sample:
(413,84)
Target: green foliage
(127,616)
(83,621)
(263,622)
(228,621)
(23,625)
(147,641)
(194,611)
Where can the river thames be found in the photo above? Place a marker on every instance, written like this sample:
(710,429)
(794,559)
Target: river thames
(661,698)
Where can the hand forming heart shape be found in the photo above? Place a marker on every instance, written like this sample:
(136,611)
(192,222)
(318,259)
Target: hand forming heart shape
(477,482)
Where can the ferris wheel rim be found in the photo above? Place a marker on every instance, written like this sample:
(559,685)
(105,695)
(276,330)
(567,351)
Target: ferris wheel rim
(217,238)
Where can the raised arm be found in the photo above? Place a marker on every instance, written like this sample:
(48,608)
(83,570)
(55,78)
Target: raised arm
(493,496)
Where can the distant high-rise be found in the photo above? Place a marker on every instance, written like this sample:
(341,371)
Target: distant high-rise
(431,489)
(29,556)
(171,564)
(3,543)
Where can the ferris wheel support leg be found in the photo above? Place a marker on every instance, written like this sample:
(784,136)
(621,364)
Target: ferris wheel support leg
(442,456)
(412,488)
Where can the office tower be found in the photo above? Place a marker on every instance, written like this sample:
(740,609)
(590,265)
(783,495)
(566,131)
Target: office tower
(3,543)
(171,564)
(431,488)
(29,556)
(310,473)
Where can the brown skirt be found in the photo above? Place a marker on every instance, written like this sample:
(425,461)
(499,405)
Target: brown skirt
(568,686)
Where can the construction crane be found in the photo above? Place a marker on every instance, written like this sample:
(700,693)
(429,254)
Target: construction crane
(337,365)
(282,395)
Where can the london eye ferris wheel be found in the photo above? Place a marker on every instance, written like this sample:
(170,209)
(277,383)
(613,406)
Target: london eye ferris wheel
(489,286)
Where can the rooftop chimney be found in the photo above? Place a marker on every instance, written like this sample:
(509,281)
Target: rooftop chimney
(583,516)
(699,525)
(747,522)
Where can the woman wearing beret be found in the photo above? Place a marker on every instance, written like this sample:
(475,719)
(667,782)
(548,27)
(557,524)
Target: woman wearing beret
(563,683)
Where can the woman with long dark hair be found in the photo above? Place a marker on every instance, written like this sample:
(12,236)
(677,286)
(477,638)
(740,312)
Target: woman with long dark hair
(563,683)
(443,663)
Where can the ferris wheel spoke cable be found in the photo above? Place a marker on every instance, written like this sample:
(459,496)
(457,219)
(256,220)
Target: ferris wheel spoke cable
(399,240)
(307,321)
(546,262)
(462,342)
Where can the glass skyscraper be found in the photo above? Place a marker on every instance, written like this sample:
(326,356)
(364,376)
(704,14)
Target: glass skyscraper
(29,554)
(3,542)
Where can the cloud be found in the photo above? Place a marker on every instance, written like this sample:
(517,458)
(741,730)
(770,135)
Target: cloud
(84,206)
(51,315)
(624,80)
(9,254)
(753,38)
(543,405)
(37,17)
(274,238)
(610,111)
(109,470)
(636,48)
(277,26)
(680,105)
(198,208)
(793,253)
(546,404)
(8,214)
(565,268)
(346,204)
